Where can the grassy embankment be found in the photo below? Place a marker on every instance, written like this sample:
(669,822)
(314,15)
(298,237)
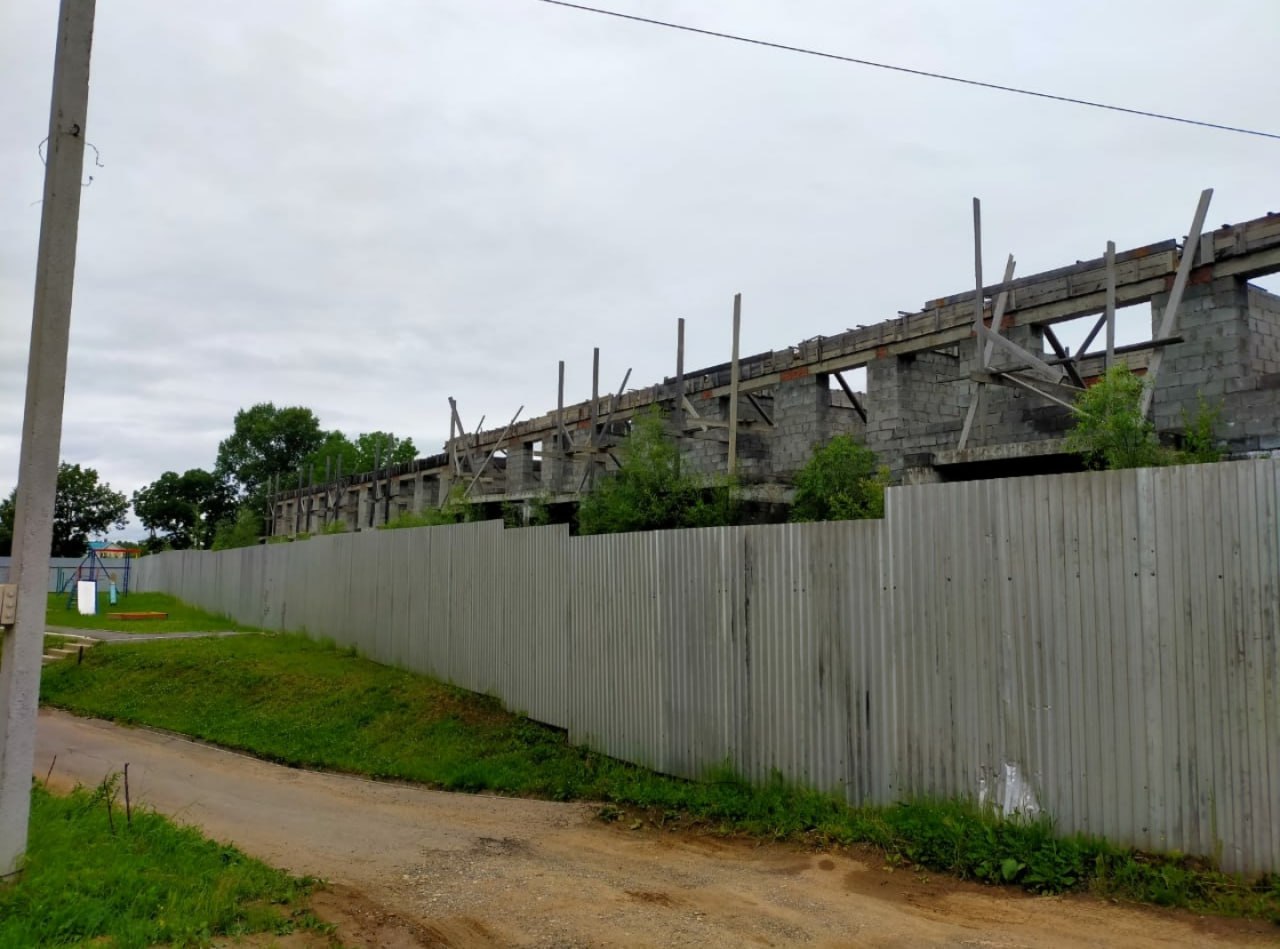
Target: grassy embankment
(302,703)
(182,618)
(96,879)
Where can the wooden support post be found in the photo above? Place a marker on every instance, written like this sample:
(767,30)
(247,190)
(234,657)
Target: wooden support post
(328,486)
(978,298)
(755,404)
(492,451)
(1005,378)
(688,407)
(473,451)
(340,493)
(1061,352)
(852,396)
(595,388)
(560,410)
(1110,314)
(373,491)
(733,386)
(1032,361)
(613,405)
(986,350)
(1170,318)
(1093,334)
(997,312)
(679,401)
(455,424)
(559,456)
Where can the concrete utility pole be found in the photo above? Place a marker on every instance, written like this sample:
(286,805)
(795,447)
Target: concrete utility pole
(42,425)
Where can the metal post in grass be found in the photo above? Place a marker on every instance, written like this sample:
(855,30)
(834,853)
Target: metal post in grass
(42,424)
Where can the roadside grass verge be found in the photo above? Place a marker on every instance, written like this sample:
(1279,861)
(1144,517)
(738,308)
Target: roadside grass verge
(182,618)
(291,700)
(138,883)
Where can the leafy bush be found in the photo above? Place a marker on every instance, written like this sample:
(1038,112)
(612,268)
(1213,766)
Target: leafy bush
(1112,432)
(536,512)
(244,531)
(1199,445)
(650,492)
(842,481)
(334,527)
(455,510)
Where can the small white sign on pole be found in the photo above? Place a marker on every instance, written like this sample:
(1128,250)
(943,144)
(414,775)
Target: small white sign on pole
(87,597)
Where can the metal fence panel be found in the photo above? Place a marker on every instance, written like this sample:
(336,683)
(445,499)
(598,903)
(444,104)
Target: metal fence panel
(1100,645)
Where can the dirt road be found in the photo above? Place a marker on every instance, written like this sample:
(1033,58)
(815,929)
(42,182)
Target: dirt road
(414,867)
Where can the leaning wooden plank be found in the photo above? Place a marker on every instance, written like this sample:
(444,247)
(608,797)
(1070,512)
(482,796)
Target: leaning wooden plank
(997,313)
(699,422)
(1064,358)
(979,298)
(492,452)
(1110,314)
(679,407)
(975,404)
(1170,317)
(755,404)
(852,396)
(733,386)
(613,405)
(1033,361)
(1017,381)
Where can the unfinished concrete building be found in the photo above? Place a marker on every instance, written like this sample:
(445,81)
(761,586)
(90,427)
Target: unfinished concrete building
(964,388)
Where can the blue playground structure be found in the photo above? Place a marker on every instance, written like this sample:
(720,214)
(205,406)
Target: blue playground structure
(91,568)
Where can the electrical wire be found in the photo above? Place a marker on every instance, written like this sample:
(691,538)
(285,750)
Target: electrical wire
(1071,100)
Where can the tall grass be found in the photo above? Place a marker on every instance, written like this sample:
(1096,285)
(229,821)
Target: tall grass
(90,879)
(299,702)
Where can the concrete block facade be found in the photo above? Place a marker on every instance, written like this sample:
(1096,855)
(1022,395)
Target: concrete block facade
(1228,359)
(921,382)
(915,404)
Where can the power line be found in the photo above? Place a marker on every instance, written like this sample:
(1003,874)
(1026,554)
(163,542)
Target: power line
(906,69)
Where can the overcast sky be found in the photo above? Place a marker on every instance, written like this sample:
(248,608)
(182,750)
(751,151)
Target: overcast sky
(366,207)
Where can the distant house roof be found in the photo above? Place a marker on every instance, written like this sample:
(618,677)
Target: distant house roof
(105,548)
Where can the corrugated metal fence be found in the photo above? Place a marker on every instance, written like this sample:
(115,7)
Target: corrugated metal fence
(62,570)
(1102,646)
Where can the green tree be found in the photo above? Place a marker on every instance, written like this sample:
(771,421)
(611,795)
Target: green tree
(6,525)
(1199,444)
(83,506)
(358,455)
(266,441)
(243,531)
(183,511)
(1111,430)
(649,491)
(843,481)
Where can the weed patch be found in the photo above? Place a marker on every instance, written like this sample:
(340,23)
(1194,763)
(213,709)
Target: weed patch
(136,883)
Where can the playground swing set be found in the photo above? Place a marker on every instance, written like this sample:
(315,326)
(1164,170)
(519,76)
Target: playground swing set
(81,586)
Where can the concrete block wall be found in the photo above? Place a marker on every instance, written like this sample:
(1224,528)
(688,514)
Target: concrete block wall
(707,452)
(1213,360)
(521,471)
(1264,330)
(1250,420)
(801,421)
(915,404)
(843,419)
(1011,415)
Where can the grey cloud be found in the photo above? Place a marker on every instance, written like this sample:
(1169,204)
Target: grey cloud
(307,203)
